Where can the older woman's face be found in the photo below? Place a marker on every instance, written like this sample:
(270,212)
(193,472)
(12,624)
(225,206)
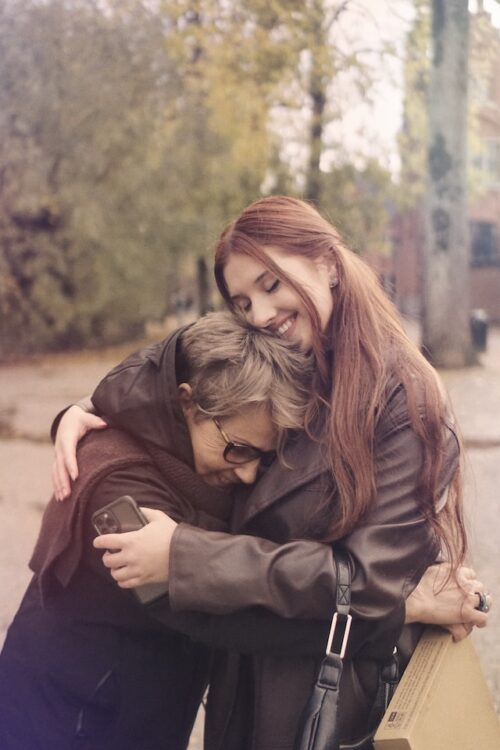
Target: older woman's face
(267,302)
(252,427)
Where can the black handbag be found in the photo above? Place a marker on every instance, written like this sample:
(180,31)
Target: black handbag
(319,728)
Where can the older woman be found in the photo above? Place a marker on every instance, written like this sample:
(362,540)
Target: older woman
(84,665)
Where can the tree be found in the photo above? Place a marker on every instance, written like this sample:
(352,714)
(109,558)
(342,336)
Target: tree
(127,138)
(131,131)
(484,44)
(413,136)
(80,251)
(360,197)
(446,332)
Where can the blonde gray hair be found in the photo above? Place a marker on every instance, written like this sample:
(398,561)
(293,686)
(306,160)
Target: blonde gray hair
(231,366)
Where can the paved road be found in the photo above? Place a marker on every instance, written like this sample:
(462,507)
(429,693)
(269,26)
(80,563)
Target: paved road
(31,393)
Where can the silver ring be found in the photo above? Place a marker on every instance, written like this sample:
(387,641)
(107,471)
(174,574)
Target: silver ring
(483,605)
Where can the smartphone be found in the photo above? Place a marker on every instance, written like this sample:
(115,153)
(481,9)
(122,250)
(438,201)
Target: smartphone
(120,516)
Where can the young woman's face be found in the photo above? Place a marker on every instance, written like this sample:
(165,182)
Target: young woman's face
(252,427)
(267,302)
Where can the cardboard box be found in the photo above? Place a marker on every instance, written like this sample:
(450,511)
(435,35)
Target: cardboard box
(442,701)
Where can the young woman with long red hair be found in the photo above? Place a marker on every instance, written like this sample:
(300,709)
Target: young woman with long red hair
(281,247)
(375,472)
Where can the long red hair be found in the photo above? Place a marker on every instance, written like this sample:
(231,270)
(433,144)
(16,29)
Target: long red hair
(364,349)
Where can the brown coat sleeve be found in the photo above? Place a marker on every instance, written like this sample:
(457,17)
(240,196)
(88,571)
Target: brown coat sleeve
(220,573)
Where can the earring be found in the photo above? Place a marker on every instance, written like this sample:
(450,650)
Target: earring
(333,282)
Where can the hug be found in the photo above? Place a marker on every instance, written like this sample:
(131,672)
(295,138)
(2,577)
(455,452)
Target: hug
(367,464)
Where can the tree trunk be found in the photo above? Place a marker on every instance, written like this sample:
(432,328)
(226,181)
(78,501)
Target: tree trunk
(203,286)
(317,93)
(446,310)
(318,99)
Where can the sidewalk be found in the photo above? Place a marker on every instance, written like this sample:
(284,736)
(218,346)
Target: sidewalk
(475,393)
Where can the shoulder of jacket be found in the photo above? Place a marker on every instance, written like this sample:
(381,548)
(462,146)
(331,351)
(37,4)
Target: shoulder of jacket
(394,406)
(105,445)
(394,412)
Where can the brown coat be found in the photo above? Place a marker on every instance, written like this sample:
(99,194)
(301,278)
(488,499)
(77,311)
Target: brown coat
(258,565)
(84,663)
(268,562)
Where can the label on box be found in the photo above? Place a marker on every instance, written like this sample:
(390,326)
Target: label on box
(410,693)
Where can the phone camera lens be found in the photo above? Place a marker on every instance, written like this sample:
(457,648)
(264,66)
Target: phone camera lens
(107,523)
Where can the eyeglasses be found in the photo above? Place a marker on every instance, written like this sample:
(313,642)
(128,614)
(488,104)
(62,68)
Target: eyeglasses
(242,453)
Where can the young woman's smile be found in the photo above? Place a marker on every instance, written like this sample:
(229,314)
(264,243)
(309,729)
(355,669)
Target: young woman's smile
(267,302)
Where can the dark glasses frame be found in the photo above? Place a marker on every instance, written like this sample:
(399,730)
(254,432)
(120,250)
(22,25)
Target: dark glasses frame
(247,451)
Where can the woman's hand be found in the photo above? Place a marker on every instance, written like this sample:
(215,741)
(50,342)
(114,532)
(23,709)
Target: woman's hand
(450,603)
(74,424)
(138,557)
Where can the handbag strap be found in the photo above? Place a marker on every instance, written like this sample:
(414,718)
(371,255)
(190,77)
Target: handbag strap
(341,620)
(319,727)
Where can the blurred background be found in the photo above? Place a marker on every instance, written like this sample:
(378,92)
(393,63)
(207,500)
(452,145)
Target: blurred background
(131,131)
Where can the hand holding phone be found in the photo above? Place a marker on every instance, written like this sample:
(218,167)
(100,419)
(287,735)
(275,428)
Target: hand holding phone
(124,515)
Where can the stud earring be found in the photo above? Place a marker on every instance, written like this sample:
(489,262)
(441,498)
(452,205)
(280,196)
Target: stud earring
(333,282)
